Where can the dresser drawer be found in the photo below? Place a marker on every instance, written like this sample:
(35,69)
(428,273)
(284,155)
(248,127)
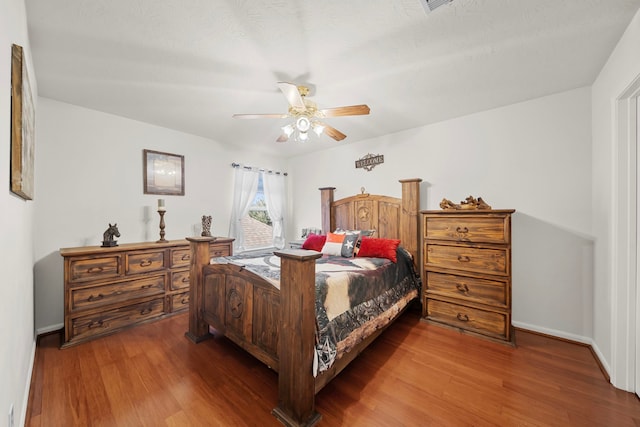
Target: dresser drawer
(180,302)
(98,296)
(180,279)
(460,228)
(180,257)
(141,262)
(84,327)
(466,258)
(491,292)
(87,269)
(216,250)
(494,324)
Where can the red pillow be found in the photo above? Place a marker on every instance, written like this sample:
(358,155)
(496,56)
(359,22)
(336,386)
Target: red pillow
(378,248)
(314,242)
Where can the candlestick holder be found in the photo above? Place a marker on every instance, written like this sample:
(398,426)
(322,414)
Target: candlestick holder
(162,239)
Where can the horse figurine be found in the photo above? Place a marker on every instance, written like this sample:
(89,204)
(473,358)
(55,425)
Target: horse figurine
(107,237)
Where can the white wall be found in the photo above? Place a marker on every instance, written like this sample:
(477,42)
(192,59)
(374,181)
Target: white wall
(534,157)
(614,309)
(89,173)
(16,247)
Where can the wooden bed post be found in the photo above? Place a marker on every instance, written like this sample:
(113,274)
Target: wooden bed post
(198,329)
(296,384)
(409,227)
(326,199)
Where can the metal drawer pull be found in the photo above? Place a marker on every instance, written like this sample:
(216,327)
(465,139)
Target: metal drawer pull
(186,257)
(185,279)
(146,311)
(146,286)
(462,287)
(145,263)
(97,298)
(462,317)
(185,301)
(462,230)
(94,325)
(94,270)
(463,258)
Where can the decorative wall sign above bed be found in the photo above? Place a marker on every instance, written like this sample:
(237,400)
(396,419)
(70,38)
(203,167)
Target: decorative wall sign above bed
(369,161)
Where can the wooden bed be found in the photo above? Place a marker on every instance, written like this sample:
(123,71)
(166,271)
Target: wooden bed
(251,312)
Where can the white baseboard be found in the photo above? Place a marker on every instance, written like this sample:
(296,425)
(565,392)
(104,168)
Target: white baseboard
(27,388)
(570,337)
(50,328)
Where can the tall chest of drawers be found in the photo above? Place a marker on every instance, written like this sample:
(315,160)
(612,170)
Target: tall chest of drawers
(108,289)
(466,271)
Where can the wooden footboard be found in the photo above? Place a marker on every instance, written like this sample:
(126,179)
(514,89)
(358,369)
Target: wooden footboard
(250,311)
(253,313)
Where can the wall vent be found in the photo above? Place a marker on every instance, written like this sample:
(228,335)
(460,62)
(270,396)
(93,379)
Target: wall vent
(431,5)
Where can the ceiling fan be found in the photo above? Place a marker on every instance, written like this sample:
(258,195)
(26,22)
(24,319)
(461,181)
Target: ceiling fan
(306,114)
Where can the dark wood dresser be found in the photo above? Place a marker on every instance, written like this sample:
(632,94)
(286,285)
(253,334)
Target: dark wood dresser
(466,271)
(108,289)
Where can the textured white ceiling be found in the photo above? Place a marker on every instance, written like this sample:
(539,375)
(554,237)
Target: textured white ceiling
(190,64)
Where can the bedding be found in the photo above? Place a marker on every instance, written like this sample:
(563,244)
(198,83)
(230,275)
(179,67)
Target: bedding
(354,296)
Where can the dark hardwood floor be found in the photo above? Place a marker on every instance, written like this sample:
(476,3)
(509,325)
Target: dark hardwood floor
(414,375)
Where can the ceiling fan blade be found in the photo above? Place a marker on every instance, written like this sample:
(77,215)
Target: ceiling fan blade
(333,132)
(260,116)
(291,92)
(351,110)
(282,138)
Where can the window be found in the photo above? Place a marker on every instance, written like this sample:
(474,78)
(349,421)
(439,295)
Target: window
(257,225)
(257,215)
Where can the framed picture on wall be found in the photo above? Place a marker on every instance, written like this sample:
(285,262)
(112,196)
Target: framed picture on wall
(163,173)
(22,127)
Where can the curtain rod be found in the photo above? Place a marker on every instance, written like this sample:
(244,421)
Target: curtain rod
(237,165)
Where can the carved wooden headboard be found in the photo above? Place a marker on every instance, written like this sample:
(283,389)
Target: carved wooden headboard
(391,217)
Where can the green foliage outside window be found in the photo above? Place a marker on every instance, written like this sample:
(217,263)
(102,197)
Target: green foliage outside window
(259,212)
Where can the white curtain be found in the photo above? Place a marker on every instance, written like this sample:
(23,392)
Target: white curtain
(245,189)
(276,199)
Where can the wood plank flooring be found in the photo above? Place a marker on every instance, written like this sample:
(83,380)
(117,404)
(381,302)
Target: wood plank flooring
(415,374)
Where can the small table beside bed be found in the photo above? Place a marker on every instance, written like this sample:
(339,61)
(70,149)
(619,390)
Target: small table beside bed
(331,301)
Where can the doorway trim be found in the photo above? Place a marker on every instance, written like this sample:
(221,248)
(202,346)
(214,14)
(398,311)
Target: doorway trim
(625,297)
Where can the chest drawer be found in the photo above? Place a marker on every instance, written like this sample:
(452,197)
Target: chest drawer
(466,258)
(180,280)
(98,296)
(494,324)
(101,323)
(87,269)
(141,262)
(492,292)
(180,257)
(216,250)
(180,302)
(460,228)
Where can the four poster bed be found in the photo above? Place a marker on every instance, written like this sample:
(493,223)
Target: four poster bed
(296,292)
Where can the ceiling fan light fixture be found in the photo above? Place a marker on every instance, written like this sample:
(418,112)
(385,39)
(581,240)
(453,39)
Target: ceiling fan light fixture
(288,129)
(318,128)
(303,124)
(306,114)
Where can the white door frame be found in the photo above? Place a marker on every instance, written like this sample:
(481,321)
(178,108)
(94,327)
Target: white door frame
(625,300)
(637,324)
